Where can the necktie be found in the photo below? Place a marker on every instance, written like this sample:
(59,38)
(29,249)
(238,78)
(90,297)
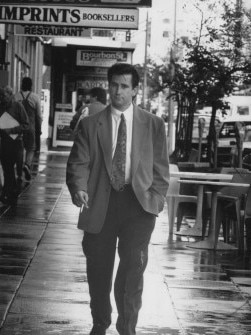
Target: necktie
(119,158)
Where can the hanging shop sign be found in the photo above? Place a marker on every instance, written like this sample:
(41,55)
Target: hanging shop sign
(109,33)
(71,16)
(83,3)
(103,58)
(52,31)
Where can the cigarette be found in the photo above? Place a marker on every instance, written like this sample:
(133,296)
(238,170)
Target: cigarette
(83,206)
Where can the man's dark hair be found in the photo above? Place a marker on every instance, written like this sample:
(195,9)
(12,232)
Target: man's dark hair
(121,69)
(99,93)
(26,84)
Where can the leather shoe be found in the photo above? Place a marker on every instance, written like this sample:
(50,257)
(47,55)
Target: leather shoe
(97,330)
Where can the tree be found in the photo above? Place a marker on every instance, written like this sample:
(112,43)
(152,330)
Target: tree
(214,64)
(154,77)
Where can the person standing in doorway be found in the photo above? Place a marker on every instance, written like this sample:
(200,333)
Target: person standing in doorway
(31,102)
(118,174)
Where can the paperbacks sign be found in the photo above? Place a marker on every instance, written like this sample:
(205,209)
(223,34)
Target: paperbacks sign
(113,3)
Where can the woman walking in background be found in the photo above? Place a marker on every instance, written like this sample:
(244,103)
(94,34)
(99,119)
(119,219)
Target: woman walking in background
(13,122)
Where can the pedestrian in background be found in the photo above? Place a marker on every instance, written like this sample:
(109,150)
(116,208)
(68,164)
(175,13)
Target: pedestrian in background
(118,173)
(13,122)
(97,104)
(98,100)
(31,102)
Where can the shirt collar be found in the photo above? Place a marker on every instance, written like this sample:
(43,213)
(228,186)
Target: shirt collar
(127,113)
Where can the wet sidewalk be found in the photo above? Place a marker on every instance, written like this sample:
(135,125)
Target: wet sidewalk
(43,288)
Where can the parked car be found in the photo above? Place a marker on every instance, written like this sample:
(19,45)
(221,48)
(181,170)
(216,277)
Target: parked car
(227,143)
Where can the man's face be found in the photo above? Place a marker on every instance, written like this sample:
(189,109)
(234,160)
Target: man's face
(121,91)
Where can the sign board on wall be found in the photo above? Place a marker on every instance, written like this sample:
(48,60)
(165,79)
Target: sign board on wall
(62,133)
(64,106)
(44,30)
(71,16)
(102,58)
(88,84)
(83,3)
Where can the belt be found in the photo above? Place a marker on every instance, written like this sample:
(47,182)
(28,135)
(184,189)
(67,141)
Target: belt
(124,188)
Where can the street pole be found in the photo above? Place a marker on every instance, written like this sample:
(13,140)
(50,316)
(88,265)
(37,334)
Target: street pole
(170,103)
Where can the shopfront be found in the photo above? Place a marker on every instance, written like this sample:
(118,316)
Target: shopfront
(74,71)
(29,29)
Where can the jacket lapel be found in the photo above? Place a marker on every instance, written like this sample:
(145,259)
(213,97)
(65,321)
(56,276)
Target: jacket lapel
(139,133)
(105,137)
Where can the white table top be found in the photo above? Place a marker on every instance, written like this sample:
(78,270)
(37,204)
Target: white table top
(193,164)
(201,175)
(213,183)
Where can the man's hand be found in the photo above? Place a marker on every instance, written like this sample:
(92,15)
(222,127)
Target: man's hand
(80,199)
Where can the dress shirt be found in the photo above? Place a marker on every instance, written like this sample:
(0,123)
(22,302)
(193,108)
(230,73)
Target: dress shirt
(116,115)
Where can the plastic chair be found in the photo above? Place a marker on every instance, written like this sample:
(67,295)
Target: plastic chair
(175,198)
(230,204)
(247,220)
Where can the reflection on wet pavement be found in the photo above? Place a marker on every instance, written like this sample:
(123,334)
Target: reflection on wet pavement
(43,280)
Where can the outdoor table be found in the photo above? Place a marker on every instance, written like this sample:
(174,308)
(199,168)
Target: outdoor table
(193,165)
(201,175)
(211,242)
(197,229)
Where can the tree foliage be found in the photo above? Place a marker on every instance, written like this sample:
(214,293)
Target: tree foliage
(154,77)
(215,63)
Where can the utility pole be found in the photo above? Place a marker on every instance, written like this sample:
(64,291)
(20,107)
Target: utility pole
(170,103)
(145,64)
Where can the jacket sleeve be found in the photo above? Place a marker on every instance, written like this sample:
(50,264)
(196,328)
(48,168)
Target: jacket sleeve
(22,117)
(78,164)
(39,117)
(160,161)
(74,120)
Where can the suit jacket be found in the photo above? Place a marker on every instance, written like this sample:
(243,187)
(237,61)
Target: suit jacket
(90,162)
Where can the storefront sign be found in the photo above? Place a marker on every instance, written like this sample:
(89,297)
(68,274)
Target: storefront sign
(103,33)
(43,30)
(89,3)
(63,106)
(62,133)
(71,16)
(93,82)
(102,58)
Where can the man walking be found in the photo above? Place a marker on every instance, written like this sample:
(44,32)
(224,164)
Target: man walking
(97,100)
(118,173)
(31,102)
(97,104)
(13,122)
